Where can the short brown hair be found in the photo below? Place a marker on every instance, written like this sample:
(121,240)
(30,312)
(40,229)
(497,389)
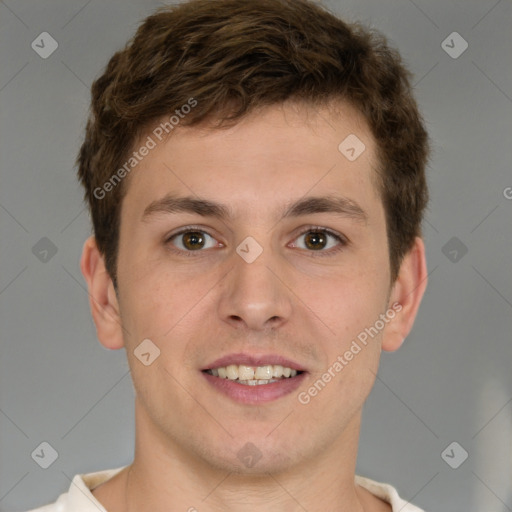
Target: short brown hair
(233,56)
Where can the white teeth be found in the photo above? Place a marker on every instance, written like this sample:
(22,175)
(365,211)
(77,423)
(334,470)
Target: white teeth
(263,372)
(253,375)
(257,382)
(232,372)
(245,372)
(278,371)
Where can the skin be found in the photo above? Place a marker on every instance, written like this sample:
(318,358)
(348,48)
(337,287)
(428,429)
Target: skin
(290,301)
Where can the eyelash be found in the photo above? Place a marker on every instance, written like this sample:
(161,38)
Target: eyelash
(343,242)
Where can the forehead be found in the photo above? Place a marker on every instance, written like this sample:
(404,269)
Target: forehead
(276,153)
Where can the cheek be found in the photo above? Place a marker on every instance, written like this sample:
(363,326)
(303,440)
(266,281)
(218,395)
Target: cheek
(353,352)
(348,301)
(165,304)
(350,307)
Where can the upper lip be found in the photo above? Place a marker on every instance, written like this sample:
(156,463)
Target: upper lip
(254,360)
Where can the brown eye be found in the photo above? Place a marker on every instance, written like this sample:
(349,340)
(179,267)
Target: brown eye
(321,241)
(315,240)
(192,240)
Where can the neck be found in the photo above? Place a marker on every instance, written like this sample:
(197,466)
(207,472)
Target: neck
(165,476)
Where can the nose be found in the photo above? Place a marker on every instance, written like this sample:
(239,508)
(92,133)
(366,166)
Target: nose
(254,295)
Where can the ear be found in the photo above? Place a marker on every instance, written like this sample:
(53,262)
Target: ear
(102,296)
(406,295)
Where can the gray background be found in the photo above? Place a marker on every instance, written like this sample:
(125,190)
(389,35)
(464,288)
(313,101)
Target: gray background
(451,381)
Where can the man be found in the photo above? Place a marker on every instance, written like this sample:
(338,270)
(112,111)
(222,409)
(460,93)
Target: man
(255,176)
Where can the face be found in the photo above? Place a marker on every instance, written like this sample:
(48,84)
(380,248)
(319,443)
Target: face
(265,279)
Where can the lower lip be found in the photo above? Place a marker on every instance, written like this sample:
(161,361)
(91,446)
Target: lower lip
(255,394)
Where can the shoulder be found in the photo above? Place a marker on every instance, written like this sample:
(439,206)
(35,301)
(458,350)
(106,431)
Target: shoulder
(387,493)
(79,495)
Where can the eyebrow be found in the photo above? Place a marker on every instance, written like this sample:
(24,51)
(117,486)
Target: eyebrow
(339,205)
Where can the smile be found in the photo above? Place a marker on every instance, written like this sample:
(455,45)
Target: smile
(253,375)
(254,384)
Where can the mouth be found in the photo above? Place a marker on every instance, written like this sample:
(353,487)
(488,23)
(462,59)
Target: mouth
(254,380)
(254,375)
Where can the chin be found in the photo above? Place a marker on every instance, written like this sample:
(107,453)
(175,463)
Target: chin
(251,461)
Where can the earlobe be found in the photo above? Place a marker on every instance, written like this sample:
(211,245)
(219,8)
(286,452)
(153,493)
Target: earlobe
(407,291)
(102,296)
